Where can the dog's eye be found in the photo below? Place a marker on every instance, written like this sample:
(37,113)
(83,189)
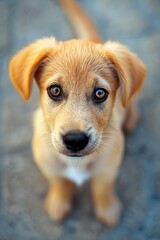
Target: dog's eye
(100,95)
(55,92)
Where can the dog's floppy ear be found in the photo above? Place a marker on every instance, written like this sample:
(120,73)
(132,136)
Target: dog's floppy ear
(23,65)
(130,70)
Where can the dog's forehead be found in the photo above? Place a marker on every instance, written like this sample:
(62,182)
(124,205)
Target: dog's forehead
(78,60)
(81,46)
(78,64)
(79,55)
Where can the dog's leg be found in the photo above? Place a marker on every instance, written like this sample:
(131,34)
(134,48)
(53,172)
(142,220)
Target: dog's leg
(59,198)
(58,203)
(132,117)
(106,204)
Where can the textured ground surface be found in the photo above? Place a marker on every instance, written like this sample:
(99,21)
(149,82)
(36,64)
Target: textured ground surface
(22,187)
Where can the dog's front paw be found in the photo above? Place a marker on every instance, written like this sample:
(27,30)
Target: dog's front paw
(110,213)
(57,207)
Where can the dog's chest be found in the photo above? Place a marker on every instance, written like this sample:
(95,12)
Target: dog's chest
(78,176)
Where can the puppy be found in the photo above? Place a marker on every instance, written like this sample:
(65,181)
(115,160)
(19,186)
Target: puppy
(86,97)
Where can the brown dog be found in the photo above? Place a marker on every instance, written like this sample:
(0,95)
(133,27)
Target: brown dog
(86,96)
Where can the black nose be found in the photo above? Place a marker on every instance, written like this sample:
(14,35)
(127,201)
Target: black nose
(75,141)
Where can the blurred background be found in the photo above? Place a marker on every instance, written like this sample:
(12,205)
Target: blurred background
(22,187)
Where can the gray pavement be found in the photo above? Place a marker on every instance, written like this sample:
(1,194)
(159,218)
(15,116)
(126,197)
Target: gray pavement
(22,187)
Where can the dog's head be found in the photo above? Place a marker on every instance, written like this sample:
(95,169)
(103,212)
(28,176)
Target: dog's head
(78,81)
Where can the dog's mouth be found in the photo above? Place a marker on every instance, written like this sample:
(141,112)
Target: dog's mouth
(75,155)
(77,159)
(79,155)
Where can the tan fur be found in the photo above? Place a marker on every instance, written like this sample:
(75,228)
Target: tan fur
(80,21)
(59,199)
(79,66)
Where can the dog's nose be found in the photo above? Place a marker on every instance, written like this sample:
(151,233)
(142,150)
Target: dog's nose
(75,141)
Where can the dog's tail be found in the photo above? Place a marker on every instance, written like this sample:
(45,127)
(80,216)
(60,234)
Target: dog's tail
(81,23)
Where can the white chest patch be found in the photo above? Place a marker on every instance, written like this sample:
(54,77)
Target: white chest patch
(78,176)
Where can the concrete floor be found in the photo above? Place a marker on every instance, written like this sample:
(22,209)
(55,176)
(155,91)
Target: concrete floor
(22,187)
